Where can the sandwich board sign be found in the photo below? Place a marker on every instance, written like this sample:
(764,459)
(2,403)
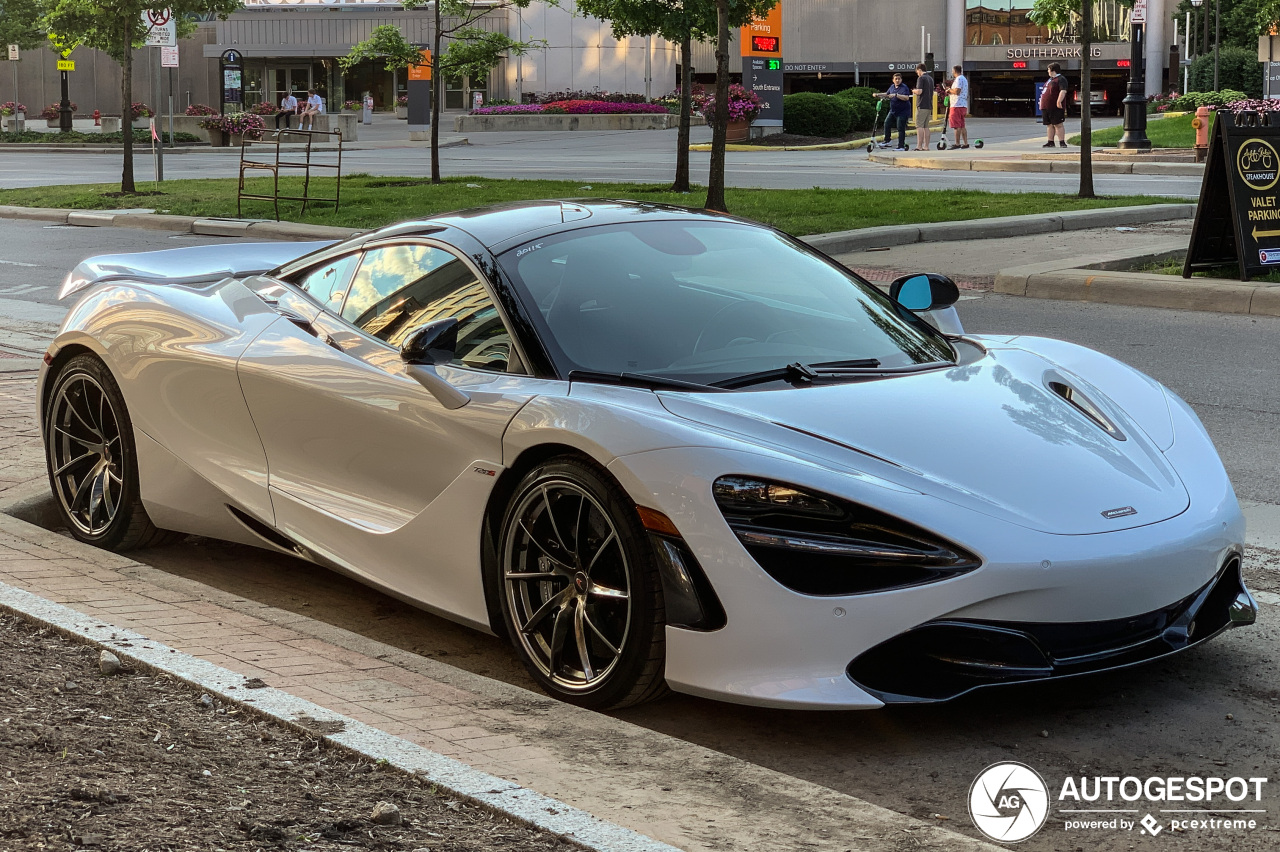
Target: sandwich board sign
(1238,217)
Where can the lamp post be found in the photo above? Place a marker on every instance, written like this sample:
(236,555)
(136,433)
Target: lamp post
(1135,101)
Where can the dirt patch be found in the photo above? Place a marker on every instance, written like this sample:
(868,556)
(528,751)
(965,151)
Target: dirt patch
(142,761)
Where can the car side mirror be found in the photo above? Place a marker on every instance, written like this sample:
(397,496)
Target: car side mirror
(927,291)
(434,343)
(424,348)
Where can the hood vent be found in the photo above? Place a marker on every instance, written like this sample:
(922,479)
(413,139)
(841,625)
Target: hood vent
(1080,402)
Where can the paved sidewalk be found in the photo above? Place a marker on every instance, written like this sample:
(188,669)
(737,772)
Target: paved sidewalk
(668,789)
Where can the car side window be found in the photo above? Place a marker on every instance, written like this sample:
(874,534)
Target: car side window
(401,288)
(327,283)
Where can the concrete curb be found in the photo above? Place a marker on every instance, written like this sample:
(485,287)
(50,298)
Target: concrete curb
(1101,167)
(217,227)
(1004,226)
(1060,280)
(459,779)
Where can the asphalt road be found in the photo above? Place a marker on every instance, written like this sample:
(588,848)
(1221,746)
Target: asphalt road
(1209,712)
(644,156)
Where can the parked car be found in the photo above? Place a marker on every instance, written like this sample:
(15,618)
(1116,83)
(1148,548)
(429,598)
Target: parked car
(655,448)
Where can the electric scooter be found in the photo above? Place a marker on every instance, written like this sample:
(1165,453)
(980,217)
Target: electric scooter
(871,146)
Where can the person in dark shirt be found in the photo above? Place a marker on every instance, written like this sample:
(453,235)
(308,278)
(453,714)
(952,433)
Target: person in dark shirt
(1053,106)
(924,106)
(899,97)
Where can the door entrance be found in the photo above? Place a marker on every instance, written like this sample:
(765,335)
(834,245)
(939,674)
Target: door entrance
(292,78)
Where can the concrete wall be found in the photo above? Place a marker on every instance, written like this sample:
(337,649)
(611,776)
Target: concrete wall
(95,84)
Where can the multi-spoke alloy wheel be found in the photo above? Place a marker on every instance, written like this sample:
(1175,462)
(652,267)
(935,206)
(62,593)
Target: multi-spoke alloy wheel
(91,458)
(580,592)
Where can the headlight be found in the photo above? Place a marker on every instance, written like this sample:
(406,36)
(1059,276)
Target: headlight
(818,544)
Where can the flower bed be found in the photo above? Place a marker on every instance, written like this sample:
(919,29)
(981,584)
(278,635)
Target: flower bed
(264,108)
(240,124)
(52,112)
(743,105)
(572,107)
(10,107)
(1253,106)
(140,110)
(201,109)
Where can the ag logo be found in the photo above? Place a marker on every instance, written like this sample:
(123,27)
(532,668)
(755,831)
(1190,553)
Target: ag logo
(1009,802)
(1258,164)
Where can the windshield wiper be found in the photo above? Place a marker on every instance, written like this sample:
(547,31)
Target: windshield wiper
(826,371)
(636,380)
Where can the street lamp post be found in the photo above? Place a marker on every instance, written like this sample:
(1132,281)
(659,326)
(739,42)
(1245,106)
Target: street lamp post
(1135,102)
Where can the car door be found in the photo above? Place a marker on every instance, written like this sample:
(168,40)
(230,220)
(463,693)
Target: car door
(367,470)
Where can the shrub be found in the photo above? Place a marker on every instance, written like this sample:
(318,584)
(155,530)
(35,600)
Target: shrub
(402,100)
(352,106)
(813,114)
(1191,100)
(1238,69)
(862,101)
(10,107)
(140,110)
(51,112)
(743,105)
(607,97)
(201,109)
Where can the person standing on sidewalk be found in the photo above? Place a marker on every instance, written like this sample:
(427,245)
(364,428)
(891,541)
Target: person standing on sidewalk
(924,106)
(899,97)
(959,107)
(1053,106)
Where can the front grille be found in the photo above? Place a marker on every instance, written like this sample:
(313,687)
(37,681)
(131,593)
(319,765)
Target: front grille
(941,660)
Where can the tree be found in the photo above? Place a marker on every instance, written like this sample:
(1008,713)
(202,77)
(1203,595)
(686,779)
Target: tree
(676,21)
(20,23)
(1060,13)
(116,28)
(471,52)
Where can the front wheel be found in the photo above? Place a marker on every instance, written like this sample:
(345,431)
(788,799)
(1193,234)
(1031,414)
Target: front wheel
(581,596)
(92,460)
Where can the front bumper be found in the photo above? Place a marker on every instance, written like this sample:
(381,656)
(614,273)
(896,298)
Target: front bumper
(945,659)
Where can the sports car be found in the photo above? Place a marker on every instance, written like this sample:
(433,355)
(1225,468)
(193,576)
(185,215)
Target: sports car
(657,449)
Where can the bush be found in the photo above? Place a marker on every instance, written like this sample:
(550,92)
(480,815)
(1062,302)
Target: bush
(201,109)
(862,101)
(140,110)
(1191,100)
(51,112)
(607,97)
(813,114)
(1238,69)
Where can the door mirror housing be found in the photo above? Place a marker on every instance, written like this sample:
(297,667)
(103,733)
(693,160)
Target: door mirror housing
(926,291)
(434,343)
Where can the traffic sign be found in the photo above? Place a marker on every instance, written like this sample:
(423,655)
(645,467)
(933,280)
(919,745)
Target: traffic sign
(66,65)
(64,46)
(1139,13)
(162,29)
(168,57)
(13,53)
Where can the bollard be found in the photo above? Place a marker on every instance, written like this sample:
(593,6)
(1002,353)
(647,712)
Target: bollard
(1201,125)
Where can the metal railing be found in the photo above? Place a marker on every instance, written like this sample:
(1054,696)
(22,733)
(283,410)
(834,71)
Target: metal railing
(291,157)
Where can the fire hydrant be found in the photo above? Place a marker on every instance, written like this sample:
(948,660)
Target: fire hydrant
(97,118)
(1201,125)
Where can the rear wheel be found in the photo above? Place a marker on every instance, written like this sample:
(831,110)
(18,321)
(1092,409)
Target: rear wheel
(92,460)
(581,596)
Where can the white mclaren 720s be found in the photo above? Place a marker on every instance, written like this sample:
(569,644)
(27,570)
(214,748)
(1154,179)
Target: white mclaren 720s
(655,448)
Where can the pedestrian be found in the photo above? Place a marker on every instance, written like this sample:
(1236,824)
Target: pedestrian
(288,108)
(314,106)
(1053,106)
(959,107)
(924,106)
(899,98)
(367,118)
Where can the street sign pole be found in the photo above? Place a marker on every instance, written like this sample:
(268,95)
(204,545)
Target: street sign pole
(155,137)
(64,106)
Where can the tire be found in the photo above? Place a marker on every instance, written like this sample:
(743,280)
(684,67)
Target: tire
(580,592)
(92,460)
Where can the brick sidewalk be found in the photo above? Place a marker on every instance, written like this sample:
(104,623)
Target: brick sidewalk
(657,785)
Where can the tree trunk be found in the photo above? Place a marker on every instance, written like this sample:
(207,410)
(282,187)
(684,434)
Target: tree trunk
(715,180)
(436,84)
(681,183)
(126,114)
(1086,100)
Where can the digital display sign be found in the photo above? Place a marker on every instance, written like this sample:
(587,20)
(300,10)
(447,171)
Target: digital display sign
(775,64)
(1122,63)
(1019,65)
(765,44)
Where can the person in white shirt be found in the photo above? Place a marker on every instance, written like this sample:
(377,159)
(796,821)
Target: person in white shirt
(314,106)
(959,92)
(288,107)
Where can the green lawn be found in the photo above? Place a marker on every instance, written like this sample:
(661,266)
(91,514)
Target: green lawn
(374,201)
(1227,272)
(1175,132)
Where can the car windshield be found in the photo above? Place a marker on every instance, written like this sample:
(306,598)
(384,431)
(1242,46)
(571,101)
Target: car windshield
(707,302)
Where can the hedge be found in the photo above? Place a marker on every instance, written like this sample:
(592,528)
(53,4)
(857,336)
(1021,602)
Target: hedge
(814,114)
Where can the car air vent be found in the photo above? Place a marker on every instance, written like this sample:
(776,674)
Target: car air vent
(1081,402)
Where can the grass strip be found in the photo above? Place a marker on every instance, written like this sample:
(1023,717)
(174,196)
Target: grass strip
(369,201)
(1172,132)
(1226,272)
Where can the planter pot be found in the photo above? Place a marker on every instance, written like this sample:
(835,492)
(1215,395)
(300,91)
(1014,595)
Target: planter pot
(53,122)
(402,112)
(110,124)
(237,139)
(141,123)
(737,131)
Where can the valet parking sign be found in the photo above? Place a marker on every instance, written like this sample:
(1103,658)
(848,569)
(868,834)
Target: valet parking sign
(1010,802)
(1238,218)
